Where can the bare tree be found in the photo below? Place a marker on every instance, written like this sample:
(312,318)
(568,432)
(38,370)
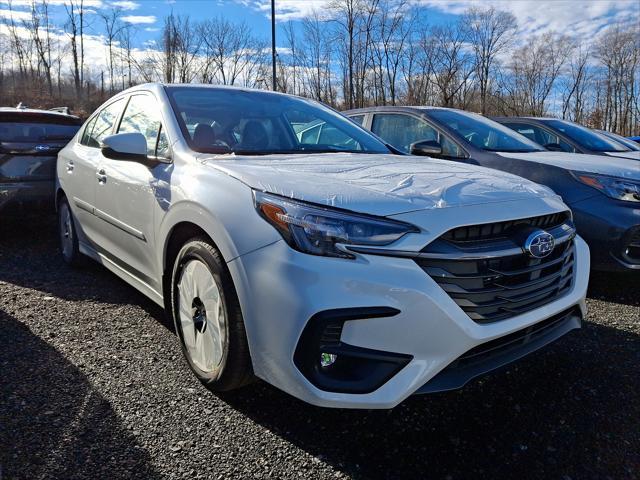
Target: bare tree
(39,27)
(75,27)
(534,70)
(111,20)
(577,81)
(229,50)
(618,50)
(490,32)
(451,62)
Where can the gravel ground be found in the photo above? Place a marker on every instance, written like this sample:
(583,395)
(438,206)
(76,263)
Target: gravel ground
(93,385)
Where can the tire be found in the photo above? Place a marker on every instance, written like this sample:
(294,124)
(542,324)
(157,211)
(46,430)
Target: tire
(67,234)
(207,318)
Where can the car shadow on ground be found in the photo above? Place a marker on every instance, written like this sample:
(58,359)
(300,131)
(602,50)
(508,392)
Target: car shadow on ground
(36,263)
(53,423)
(570,411)
(618,287)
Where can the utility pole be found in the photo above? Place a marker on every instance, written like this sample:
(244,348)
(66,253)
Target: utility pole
(273,44)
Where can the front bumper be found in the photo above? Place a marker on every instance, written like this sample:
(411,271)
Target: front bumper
(612,230)
(281,289)
(27,197)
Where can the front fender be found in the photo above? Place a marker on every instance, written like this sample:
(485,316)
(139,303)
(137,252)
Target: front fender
(224,209)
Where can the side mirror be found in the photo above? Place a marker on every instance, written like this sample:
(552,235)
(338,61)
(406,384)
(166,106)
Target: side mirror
(554,147)
(426,148)
(130,147)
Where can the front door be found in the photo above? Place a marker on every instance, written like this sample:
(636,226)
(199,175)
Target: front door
(125,196)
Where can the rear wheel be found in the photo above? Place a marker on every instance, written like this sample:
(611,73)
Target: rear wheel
(68,236)
(207,317)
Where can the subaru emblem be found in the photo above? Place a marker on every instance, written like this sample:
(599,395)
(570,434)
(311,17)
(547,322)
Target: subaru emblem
(42,148)
(539,244)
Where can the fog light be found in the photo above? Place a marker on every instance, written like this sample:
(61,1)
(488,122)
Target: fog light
(327,359)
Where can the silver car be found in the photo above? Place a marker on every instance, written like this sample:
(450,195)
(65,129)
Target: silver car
(288,243)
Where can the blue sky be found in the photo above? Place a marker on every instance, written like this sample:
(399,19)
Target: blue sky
(583,19)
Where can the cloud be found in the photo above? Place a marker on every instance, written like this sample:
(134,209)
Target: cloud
(139,19)
(287,9)
(125,5)
(27,3)
(151,29)
(583,20)
(17,15)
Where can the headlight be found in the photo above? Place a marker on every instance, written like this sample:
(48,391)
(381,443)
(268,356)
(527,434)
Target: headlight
(614,187)
(318,230)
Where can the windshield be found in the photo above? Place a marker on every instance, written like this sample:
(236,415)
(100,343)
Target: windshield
(630,144)
(484,133)
(216,120)
(584,137)
(13,132)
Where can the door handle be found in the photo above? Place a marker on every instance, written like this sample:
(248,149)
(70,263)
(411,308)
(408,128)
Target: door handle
(69,166)
(101,176)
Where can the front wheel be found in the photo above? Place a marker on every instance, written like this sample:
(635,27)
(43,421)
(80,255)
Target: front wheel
(207,318)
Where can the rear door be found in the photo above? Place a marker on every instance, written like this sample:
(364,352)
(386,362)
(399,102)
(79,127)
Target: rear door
(77,167)
(126,196)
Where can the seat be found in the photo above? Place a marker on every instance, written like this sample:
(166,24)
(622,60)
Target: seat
(203,136)
(254,136)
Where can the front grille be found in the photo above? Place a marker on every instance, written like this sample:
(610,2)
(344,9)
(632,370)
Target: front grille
(499,230)
(505,283)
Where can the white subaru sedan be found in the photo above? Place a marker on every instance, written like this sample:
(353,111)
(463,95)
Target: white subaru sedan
(289,244)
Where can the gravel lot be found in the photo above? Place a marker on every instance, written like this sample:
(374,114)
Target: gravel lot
(93,385)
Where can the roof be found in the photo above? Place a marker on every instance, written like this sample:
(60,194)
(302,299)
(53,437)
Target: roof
(517,117)
(34,111)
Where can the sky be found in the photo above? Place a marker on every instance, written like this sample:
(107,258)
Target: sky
(581,18)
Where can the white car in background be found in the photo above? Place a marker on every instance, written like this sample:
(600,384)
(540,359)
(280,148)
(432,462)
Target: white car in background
(314,258)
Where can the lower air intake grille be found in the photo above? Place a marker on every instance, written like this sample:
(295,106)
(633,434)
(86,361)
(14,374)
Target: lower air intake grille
(495,287)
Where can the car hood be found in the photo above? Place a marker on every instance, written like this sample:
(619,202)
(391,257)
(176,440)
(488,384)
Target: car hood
(631,154)
(377,184)
(599,164)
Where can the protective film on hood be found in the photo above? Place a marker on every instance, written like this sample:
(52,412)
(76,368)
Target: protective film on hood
(377,184)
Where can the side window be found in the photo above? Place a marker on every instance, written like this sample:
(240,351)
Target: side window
(540,135)
(402,130)
(359,119)
(104,123)
(142,116)
(162,149)
(450,148)
(86,134)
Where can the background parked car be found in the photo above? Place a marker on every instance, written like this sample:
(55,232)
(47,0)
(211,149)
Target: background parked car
(635,139)
(565,136)
(627,142)
(603,192)
(29,143)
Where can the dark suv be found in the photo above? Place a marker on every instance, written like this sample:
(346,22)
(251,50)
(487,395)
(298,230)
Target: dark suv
(602,191)
(29,144)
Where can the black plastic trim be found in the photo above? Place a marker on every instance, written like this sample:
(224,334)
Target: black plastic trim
(357,370)
(502,351)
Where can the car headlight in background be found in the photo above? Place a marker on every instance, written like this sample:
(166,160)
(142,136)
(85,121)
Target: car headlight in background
(614,187)
(318,230)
